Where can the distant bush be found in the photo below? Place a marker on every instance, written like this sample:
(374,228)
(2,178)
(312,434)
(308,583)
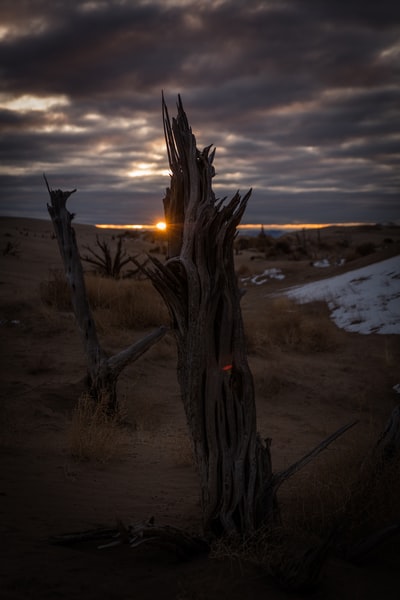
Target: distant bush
(365,248)
(242,243)
(283,246)
(103,260)
(12,249)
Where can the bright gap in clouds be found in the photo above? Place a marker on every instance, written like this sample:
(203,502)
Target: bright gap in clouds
(145,169)
(28,102)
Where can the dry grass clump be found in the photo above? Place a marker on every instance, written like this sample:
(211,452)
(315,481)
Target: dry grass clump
(121,303)
(351,488)
(343,494)
(94,434)
(288,326)
(124,303)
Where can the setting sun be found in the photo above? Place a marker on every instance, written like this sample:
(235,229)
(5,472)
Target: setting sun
(161,226)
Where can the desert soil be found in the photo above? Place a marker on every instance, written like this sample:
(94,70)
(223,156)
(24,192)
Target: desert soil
(44,491)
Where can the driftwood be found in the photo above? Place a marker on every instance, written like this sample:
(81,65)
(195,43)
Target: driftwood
(184,544)
(103,371)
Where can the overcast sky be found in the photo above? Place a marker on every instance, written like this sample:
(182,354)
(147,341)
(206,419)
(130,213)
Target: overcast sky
(300,97)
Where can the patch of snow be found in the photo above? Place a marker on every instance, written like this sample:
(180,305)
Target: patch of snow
(325,262)
(322,263)
(263,277)
(9,322)
(365,300)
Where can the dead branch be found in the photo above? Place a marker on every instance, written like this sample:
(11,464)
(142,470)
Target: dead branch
(103,371)
(279,478)
(184,544)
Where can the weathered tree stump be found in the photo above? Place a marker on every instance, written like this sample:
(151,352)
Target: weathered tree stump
(103,371)
(199,286)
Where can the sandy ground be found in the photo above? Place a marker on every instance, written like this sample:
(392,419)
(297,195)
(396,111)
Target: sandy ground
(45,492)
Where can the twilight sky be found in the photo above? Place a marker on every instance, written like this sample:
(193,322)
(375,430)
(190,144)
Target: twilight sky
(300,97)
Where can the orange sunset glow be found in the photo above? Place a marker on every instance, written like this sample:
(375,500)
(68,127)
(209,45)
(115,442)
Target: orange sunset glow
(162,226)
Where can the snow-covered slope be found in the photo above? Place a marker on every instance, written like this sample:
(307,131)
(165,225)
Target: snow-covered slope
(365,300)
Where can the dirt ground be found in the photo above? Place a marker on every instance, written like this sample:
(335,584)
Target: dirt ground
(44,491)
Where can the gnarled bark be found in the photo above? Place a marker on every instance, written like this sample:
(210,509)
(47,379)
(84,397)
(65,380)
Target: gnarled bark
(199,286)
(103,371)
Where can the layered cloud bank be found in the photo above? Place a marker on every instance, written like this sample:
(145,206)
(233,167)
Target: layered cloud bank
(301,99)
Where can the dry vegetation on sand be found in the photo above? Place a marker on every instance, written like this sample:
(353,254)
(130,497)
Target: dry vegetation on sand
(310,379)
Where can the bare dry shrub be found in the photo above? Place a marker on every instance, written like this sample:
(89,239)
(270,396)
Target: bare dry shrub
(94,434)
(273,549)
(287,326)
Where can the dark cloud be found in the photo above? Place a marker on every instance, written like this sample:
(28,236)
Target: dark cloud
(300,97)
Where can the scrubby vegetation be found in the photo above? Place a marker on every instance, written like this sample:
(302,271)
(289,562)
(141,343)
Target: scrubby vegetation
(336,244)
(12,249)
(345,495)
(287,326)
(117,303)
(94,433)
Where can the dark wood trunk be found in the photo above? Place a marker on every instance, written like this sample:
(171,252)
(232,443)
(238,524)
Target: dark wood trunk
(199,285)
(103,371)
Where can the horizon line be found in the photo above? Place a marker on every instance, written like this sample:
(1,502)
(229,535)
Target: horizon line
(278,226)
